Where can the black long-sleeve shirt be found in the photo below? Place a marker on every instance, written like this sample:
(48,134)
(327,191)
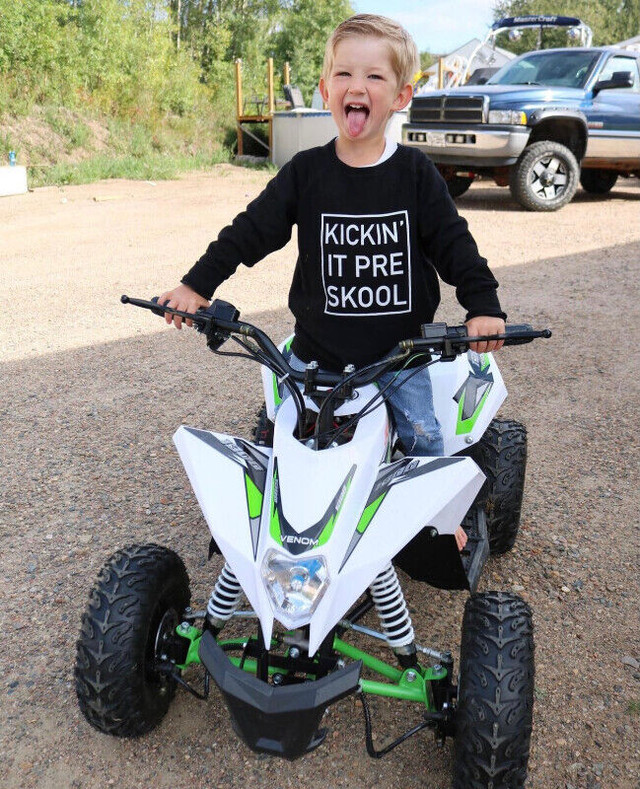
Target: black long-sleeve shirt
(371,244)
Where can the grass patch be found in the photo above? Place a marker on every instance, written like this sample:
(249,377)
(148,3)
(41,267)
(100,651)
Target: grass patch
(634,707)
(148,167)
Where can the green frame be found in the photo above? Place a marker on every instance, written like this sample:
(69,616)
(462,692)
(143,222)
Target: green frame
(411,684)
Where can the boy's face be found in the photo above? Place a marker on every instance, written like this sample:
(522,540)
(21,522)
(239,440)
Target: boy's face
(362,90)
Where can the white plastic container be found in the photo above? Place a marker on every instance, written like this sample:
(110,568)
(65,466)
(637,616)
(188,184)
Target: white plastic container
(13,180)
(298,130)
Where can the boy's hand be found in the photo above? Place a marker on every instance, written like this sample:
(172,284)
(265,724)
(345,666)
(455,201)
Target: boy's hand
(481,326)
(182,298)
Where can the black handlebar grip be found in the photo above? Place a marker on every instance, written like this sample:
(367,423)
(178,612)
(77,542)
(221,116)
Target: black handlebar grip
(158,312)
(519,332)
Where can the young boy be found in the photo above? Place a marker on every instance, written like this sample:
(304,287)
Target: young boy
(376,226)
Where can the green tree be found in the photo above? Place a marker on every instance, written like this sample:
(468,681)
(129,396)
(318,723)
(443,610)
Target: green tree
(305,28)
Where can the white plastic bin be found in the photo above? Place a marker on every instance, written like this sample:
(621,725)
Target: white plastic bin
(298,130)
(13,180)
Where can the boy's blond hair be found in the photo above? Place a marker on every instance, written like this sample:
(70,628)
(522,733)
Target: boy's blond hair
(405,60)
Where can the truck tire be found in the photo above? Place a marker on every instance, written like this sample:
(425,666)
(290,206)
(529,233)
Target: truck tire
(458,185)
(545,177)
(134,607)
(495,694)
(598,182)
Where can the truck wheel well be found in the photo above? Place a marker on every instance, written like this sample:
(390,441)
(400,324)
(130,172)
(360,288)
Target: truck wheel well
(564,131)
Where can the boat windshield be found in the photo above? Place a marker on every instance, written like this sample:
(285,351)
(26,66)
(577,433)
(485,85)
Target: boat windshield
(569,69)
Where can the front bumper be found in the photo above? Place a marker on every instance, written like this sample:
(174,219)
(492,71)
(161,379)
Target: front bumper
(280,720)
(469,146)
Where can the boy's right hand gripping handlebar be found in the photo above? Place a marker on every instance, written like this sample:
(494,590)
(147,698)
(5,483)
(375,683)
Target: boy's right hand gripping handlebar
(451,341)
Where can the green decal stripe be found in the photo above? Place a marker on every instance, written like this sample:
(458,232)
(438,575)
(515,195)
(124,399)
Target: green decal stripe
(276,394)
(274,523)
(369,512)
(466,425)
(274,378)
(484,361)
(328,529)
(254,497)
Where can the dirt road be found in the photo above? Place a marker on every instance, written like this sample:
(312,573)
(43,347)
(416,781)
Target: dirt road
(92,392)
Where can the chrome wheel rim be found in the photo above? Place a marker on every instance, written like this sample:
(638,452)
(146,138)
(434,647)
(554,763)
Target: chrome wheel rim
(549,177)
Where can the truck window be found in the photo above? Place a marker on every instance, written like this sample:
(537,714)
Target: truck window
(563,69)
(620,63)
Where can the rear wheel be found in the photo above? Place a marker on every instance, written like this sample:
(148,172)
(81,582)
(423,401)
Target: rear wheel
(545,177)
(598,182)
(133,610)
(501,454)
(495,694)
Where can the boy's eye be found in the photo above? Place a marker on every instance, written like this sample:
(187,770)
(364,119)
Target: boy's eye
(376,76)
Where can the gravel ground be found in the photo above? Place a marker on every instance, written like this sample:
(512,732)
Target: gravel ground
(92,392)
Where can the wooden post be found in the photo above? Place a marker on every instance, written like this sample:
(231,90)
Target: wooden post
(440,73)
(271,100)
(287,74)
(239,104)
(238,87)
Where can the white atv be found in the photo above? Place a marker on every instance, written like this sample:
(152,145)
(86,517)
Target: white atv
(311,518)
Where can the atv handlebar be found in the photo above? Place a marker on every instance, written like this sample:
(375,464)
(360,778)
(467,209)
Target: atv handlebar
(220,320)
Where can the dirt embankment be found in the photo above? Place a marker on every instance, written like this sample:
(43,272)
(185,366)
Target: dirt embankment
(92,392)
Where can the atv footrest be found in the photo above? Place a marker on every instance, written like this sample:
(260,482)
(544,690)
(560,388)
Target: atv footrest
(476,551)
(280,720)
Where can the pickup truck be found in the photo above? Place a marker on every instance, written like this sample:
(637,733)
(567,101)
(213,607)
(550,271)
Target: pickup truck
(543,123)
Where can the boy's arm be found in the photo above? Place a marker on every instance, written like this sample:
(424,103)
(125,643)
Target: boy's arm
(263,227)
(453,251)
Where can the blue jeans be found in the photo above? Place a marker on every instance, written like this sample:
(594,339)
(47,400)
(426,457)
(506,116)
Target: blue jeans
(411,407)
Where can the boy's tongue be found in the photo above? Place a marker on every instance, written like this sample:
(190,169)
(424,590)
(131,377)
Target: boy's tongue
(356,119)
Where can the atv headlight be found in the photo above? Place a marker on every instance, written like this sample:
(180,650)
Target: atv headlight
(508,117)
(295,585)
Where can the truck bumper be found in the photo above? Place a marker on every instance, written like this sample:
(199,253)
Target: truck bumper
(280,720)
(473,147)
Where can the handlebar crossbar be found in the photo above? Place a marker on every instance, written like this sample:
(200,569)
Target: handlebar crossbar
(438,338)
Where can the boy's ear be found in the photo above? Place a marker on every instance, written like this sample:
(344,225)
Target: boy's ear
(322,87)
(403,97)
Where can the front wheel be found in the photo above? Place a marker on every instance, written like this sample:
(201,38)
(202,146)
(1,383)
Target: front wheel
(495,695)
(133,610)
(545,177)
(598,182)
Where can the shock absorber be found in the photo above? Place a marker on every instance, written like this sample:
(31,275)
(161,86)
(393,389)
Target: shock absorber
(394,616)
(225,599)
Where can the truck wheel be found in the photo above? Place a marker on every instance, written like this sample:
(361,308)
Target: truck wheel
(263,429)
(495,694)
(134,607)
(598,182)
(501,455)
(458,185)
(545,177)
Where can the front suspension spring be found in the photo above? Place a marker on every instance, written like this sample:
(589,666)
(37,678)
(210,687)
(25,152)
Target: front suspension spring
(225,598)
(392,609)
